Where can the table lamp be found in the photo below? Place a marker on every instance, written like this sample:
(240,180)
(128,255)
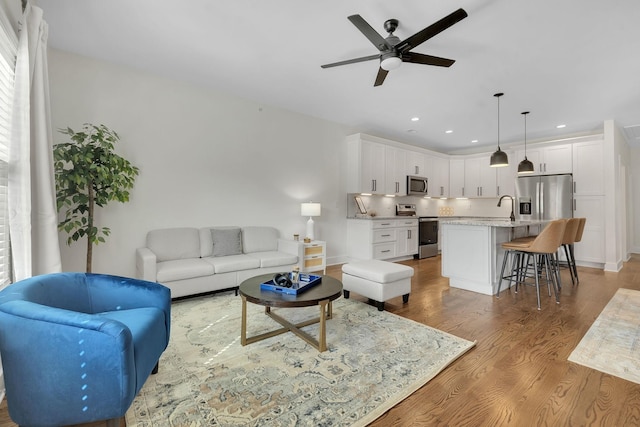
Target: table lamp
(310,209)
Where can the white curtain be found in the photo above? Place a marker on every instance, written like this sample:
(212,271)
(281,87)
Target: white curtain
(31,188)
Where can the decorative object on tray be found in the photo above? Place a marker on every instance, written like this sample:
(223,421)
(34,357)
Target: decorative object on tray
(287,283)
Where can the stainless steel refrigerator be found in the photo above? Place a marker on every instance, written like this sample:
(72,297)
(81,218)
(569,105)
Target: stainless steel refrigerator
(543,197)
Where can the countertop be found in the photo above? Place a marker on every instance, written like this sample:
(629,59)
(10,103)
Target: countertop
(489,222)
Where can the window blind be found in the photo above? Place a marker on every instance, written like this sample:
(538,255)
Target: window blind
(8,50)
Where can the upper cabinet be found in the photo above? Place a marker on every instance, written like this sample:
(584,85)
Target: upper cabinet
(456,178)
(588,168)
(548,160)
(366,166)
(479,178)
(416,164)
(439,177)
(395,177)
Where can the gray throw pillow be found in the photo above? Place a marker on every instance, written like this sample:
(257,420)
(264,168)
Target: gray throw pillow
(226,241)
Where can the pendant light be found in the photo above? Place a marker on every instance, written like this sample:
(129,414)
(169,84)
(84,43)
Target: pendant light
(499,158)
(525,166)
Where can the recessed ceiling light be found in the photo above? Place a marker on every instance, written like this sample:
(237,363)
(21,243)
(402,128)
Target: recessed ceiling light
(448,131)
(561,126)
(415,119)
(412,131)
(473,141)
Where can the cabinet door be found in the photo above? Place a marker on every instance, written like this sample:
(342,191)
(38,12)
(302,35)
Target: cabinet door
(488,184)
(456,178)
(472,177)
(557,159)
(415,164)
(506,177)
(440,181)
(588,168)
(395,178)
(407,241)
(373,168)
(592,246)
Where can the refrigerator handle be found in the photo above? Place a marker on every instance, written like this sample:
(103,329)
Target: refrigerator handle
(574,187)
(574,205)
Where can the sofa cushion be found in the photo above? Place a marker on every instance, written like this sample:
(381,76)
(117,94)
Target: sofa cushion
(259,239)
(174,243)
(225,264)
(226,241)
(169,271)
(274,258)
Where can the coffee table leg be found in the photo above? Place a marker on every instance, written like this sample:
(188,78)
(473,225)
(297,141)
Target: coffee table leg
(243,328)
(322,338)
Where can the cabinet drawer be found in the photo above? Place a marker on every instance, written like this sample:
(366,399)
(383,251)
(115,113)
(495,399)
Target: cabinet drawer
(407,223)
(313,262)
(380,236)
(313,250)
(387,223)
(384,251)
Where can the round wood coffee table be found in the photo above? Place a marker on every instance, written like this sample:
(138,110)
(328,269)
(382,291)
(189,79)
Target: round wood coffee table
(322,295)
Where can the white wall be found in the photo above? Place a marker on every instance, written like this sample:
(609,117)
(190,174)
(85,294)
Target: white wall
(634,202)
(205,158)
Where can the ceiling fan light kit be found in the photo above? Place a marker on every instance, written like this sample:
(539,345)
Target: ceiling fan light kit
(499,158)
(525,166)
(393,51)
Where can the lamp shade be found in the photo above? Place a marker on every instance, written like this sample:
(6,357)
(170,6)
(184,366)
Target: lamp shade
(525,166)
(310,209)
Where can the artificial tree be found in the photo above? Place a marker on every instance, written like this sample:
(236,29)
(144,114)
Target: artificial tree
(88,173)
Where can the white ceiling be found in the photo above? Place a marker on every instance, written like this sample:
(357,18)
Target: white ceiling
(573,62)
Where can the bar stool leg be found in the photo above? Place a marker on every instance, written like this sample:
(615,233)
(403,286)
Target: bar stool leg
(569,263)
(537,279)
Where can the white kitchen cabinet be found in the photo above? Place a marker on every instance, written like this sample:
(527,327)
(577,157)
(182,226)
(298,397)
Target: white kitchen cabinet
(366,166)
(439,177)
(590,251)
(415,164)
(550,159)
(395,176)
(456,178)
(479,177)
(506,177)
(382,238)
(588,168)
(407,237)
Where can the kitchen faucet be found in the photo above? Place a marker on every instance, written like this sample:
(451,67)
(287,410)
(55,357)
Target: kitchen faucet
(513,217)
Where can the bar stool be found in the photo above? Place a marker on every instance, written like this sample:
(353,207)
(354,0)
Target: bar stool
(542,249)
(568,240)
(578,238)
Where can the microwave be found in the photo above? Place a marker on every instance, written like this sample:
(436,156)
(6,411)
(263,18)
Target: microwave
(417,185)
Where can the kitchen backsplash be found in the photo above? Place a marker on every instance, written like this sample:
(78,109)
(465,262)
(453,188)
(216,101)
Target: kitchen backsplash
(386,206)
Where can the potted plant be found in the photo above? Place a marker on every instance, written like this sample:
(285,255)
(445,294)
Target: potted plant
(88,173)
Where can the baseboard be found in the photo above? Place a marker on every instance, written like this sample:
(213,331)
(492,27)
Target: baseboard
(335,260)
(613,266)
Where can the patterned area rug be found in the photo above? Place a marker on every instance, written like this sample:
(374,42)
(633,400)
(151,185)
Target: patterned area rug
(206,378)
(612,343)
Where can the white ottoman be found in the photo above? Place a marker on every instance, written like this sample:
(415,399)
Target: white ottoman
(377,280)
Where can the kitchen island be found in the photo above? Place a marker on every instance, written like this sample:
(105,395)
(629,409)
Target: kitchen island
(472,250)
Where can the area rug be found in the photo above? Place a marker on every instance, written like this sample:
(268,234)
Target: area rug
(612,343)
(206,378)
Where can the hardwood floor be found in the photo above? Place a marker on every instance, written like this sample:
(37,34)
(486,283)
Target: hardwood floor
(518,373)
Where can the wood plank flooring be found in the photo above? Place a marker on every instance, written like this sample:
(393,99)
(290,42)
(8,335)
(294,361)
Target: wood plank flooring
(518,373)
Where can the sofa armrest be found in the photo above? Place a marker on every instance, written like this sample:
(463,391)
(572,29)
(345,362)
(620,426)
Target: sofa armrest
(146,264)
(291,247)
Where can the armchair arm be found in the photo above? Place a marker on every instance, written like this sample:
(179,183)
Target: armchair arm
(291,247)
(85,362)
(146,264)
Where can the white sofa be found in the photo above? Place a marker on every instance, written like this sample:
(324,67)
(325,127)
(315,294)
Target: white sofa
(192,261)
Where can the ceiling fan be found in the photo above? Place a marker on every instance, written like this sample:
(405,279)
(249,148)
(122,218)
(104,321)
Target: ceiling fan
(394,52)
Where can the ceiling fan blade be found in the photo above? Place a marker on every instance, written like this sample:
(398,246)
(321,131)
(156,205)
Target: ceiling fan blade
(374,37)
(419,58)
(432,30)
(382,74)
(351,61)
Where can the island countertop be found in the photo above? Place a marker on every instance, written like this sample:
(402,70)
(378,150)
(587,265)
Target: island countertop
(489,222)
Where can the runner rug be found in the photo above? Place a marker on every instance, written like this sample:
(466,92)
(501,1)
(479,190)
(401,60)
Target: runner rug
(612,343)
(206,378)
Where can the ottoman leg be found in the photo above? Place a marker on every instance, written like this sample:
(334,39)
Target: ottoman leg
(405,298)
(346,293)
(380,305)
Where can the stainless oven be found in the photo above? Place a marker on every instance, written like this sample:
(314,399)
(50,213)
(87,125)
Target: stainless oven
(428,236)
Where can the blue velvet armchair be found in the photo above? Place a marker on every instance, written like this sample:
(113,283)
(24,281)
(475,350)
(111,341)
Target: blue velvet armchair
(78,347)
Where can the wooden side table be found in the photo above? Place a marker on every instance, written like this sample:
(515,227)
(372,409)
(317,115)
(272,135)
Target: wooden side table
(315,256)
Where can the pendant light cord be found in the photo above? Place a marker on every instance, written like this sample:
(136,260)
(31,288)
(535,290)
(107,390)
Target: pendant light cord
(524,113)
(498,95)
